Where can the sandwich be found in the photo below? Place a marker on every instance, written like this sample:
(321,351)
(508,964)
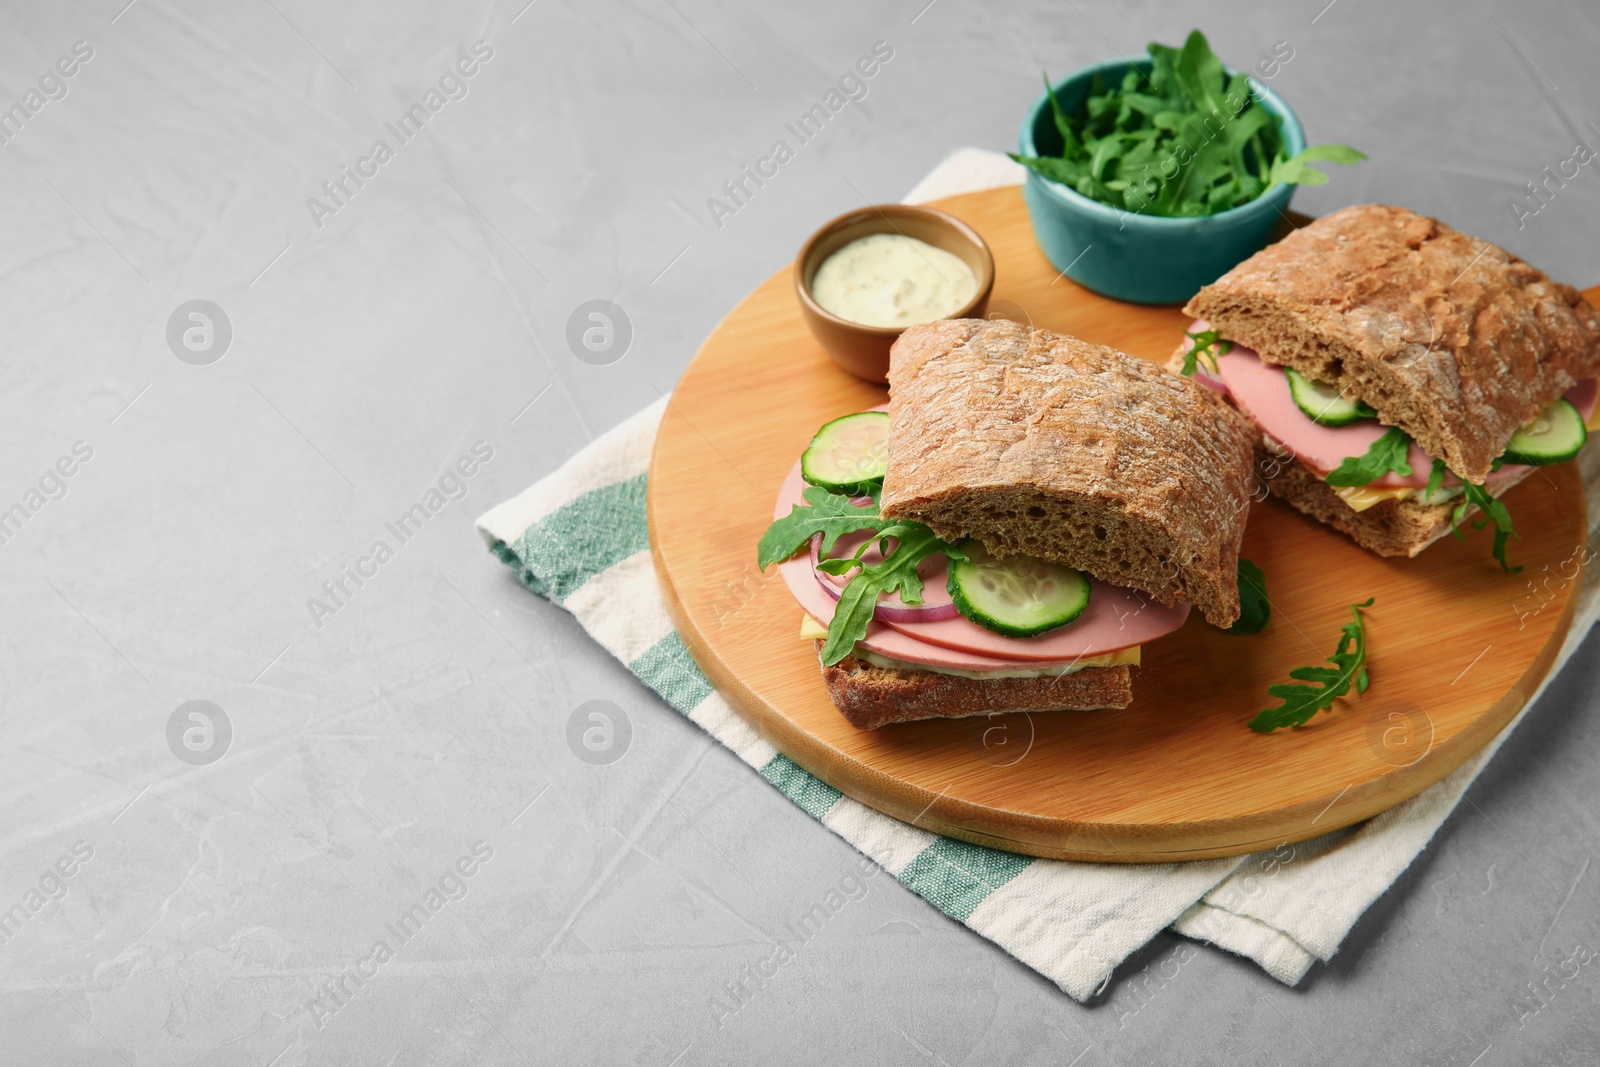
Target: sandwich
(1401,376)
(1028,512)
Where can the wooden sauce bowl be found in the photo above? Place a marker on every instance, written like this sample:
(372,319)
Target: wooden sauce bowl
(864,350)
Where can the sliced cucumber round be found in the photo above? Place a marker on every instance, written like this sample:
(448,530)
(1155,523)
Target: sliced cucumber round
(1555,436)
(1323,403)
(849,454)
(1019,596)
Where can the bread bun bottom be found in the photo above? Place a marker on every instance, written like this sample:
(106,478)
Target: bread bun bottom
(869,696)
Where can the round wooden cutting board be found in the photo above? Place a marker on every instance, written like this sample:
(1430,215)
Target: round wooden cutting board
(1455,646)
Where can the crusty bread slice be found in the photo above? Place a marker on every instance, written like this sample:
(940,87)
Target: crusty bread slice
(869,697)
(1037,443)
(1389,528)
(1448,337)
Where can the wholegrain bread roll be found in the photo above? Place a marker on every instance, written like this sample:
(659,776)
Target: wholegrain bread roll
(1446,336)
(869,696)
(1037,443)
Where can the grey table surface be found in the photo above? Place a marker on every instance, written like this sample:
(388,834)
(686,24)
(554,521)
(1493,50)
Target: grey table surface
(419,723)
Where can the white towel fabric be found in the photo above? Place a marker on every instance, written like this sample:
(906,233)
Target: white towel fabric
(578,538)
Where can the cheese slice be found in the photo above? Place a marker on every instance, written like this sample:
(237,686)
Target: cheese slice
(1362,497)
(812,630)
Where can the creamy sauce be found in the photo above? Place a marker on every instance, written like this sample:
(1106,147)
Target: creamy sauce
(890,280)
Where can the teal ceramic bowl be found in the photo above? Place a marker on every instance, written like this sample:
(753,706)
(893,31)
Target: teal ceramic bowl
(1140,258)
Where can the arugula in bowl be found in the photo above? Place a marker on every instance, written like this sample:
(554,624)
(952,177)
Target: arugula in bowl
(1184,140)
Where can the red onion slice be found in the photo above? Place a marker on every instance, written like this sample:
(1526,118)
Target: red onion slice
(891,610)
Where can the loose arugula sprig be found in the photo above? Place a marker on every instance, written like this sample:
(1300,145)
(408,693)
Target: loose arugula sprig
(1186,140)
(1255,611)
(1388,453)
(833,515)
(1207,344)
(1301,702)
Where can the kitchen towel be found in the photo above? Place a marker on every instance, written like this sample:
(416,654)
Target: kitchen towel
(578,538)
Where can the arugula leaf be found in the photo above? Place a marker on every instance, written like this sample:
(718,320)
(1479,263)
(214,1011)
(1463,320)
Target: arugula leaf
(833,516)
(895,573)
(1105,150)
(1495,511)
(1207,343)
(1195,190)
(1298,170)
(1199,74)
(911,537)
(1388,453)
(1063,127)
(1435,480)
(1254,609)
(1072,173)
(1301,702)
(1242,130)
(1145,104)
(830,514)
(851,616)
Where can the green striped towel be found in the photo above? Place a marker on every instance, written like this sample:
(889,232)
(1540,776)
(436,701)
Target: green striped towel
(578,538)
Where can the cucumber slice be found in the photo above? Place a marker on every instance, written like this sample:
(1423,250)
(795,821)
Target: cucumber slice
(1323,403)
(1019,596)
(849,454)
(1555,436)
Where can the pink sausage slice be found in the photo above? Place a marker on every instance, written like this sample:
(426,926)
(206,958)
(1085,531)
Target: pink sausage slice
(1262,390)
(1116,618)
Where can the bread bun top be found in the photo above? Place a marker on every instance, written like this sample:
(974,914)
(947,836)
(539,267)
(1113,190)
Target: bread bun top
(1038,443)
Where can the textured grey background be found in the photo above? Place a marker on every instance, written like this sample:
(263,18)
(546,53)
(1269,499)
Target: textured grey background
(429,712)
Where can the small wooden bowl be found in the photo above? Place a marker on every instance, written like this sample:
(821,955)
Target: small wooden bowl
(864,350)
